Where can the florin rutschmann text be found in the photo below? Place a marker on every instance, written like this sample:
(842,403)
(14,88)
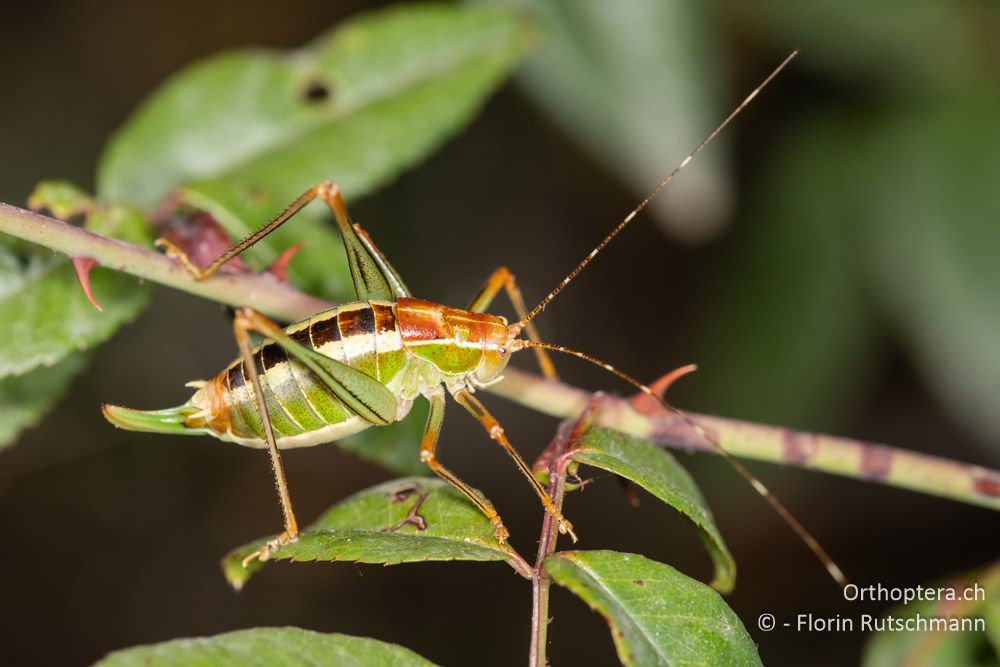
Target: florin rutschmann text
(923,620)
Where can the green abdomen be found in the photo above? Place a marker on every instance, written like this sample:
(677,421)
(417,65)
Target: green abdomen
(302,410)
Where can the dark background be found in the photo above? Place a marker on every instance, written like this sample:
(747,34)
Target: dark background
(111,539)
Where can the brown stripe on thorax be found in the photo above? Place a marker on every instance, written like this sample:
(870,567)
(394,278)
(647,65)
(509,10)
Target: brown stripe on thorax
(420,320)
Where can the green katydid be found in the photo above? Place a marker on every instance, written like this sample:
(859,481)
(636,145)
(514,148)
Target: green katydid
(364,363)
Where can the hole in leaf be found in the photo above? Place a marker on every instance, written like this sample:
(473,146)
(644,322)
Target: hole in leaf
(316,91)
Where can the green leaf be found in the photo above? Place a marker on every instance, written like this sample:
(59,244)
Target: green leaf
(369,527)
(638,84)
(932,214)
(44,316)
(247,132)
(943,648)
(268,646)
(24,399)
(396,446)
(46,322)
(795,334)
(61,198)
(659,473)
(657,615)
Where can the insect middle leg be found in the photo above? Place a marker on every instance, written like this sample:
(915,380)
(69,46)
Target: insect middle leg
(428,445)
(503,278)
(492,426)
(245,322)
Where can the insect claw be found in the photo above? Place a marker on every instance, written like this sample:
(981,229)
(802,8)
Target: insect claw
(566,528)
(252,557)
(264,553)
(500,533)
(174,252)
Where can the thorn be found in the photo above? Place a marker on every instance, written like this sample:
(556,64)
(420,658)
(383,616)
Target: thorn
(279,267)
(647,404)
(83,265)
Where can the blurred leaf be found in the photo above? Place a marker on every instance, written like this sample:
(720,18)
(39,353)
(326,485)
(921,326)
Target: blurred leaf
(943,648)
(657,615)
(46,322)
(369,527)
(659,473)
(44,315)
(268,646)
(247,132)
(61,198)
(888,40)
(933,232)
(637,84)
(793,334)
(396,446)
(24,399)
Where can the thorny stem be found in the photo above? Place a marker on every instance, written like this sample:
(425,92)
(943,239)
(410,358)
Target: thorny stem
(869,461)
(553,460)
(841,456)
(265,293)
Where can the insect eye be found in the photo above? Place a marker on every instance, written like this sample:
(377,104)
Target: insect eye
(503,352)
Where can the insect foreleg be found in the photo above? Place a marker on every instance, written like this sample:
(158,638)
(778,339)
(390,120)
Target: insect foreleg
(244,322)
(503,278)
(482,415)
(428,445)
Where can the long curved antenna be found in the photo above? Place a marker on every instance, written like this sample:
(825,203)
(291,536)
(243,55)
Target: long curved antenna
(517,327)
(758,486)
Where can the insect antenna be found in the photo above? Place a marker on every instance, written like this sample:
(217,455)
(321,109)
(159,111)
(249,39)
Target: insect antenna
(518,326)
(831,567)
(782,511)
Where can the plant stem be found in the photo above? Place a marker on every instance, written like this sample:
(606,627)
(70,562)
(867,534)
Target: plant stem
(868,461)
(841,456)
(264,292)
(553,460)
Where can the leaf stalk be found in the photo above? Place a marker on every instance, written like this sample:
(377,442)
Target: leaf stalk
(554,461)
